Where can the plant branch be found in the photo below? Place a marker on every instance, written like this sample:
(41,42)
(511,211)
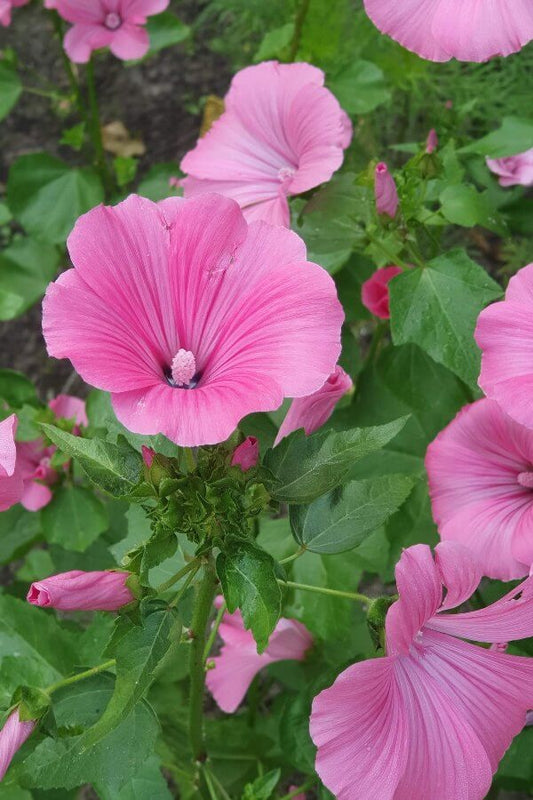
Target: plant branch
(299,20)
(177,577)
(214,630)
(360,598)
(81,676)
(95,128)
(294,556)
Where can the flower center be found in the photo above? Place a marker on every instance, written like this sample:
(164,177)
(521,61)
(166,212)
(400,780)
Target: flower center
(112,21)
(183,373)
(286,174)
(526,479)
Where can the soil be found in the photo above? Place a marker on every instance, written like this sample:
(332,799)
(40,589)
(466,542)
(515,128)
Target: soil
(157,101)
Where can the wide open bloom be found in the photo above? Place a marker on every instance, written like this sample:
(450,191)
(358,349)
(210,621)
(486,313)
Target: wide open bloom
(469,30)
(504,332)
(11,486)
(432,718)
(514,170)
(282,133)
(12,737)
(239,662)
(480,472)
(311,412)
(117,24)
(191,318)
(34,458)
(5,10)
(82,591)
(385,191)
(375,291)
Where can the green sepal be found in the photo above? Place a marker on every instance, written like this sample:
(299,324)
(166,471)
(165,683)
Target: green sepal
(33,702)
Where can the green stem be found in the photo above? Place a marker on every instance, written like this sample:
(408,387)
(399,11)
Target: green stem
(190,460)
(360,598)
(67,64)
(300,790)
(392,258)
(214,630)
(95,128)
(205,594)
(43,93)
(299,20)
(294,556)
(177,577)
(377,338)
(81,676)
(186,585)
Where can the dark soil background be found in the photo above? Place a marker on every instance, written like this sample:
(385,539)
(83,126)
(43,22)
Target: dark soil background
(158,102)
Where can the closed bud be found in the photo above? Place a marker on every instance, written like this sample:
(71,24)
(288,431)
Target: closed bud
(12,737)
(385,191)
(246,455)
(82,591)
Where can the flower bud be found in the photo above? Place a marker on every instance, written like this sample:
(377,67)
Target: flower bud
(432,141)
(82,591)
(12,737)
(375,291)
(246,455)
(385,191)
(148,454)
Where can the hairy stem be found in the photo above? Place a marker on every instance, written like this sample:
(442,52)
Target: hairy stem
(81,676)
(203,604)
(360,598)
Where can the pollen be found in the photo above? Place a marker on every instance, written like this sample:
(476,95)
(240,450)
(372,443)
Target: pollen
(183,368)
(112,21)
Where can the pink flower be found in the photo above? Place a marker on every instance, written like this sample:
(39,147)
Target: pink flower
(282,133)
(10,478)
(300,796)
(469,30)
(432,718)
(5,10)
(65,406)
(504,332)
(385,191)
(239,662)
(116,24)
(375,291)
(12,737)
(82,591)
(311,412)
(191,318)
(513,170)
(246,455)
(148,454)
(480,472)
(432,141)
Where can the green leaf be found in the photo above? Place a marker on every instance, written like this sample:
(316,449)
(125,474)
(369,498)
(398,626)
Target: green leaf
(139,652)
(30,633)
(514,136)
(308,466)
(165,30)
(328,223)
(147,784)
(115,468)
(16,389)
(74,519)
(18,529)
(109,764)
(360,88)
(516,768)
(155,184)
(412,524)
(275,42)
(47,196)
(437,307)
(248,579)
(26,269)
(464,205)
(10,88)
(263,787)
(344,518)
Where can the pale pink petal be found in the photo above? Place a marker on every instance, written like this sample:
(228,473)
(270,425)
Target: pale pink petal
(12,737)
(445,757)
(274,211)
(66,406)
(290,640)
(460,572)
(514,170)
(130,42)
(8,448)
(359,726)
(420,596)
(143,8)
(84,11)
(5,13)
(82,39)
(311,412)
(35,496)
(409,23)
(230,678)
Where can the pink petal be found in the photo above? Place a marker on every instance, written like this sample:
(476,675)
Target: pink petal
(35,496)
(420,596)
(246,455)
(12,737)
(375,291)
(81,40)
(460,572)
(130,42)
(8,448)
(66,406)
(87,13)
(143,8)
(513,170)
(290,640)
(359,726)
(474,467)
(232,675)
(410,23)
(82,591)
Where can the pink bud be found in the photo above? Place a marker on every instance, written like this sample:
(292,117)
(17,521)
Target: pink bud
(148,455)
(246,455)
(300,796)
(82,591)
(11,486)
(448,105)
(66,406)
(385,191)
(432,141)
(174,182)
(311,412)
(375,291)
(12,737)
